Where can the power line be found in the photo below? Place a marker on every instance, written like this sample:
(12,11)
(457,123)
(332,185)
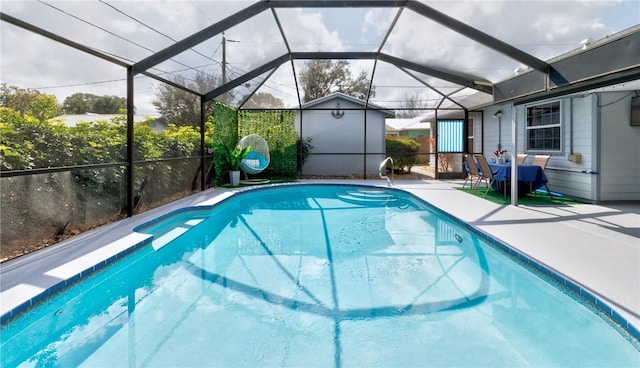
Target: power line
(232,69)
(113,34)
(95,25)
(224,64)
(136,20)
(116,80)
(83,84)
(153,29)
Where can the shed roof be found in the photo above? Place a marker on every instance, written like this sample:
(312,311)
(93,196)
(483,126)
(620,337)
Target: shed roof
(407,124)
(345,97)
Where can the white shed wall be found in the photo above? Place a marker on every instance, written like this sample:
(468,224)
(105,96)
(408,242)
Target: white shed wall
(338,144)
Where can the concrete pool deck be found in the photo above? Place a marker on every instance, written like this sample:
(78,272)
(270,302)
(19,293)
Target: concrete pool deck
(596,246)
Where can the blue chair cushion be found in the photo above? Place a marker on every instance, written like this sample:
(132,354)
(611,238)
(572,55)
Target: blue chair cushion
(255,160)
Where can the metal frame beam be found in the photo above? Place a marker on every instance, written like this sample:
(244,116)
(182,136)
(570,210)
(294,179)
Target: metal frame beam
(248,97)
(483,86)
(338,3)
(466,81)
(246,77)
(321,55)
(200,36)
(65,41)
(577,87)
(171,83)
(416,6)
(580,71)
(443,95)
(478,36)
(428,12)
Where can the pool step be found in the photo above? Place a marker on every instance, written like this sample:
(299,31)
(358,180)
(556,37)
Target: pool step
(164,233)
(179,229)
(368,197)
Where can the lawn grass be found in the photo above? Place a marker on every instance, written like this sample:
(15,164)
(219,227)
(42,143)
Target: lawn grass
(539,198)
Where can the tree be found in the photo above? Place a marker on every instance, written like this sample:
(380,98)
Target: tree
(412,106)
(264,100)
(29,102)
(180,107)
(109,104)
(320,78)
(80,103)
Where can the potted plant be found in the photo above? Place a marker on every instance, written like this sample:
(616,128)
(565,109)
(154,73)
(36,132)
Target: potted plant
(234,158)
(500,155)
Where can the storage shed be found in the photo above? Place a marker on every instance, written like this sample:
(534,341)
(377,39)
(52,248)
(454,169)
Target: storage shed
(342,128)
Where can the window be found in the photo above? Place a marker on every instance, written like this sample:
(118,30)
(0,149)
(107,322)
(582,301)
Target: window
(543,127)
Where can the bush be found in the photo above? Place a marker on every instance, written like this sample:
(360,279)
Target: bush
(404,152)
(304,148)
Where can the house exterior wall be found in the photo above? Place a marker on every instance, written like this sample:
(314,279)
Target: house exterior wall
(478,123)
(572,178)
(595,126)
(339,144)
(413,134)
(619,148)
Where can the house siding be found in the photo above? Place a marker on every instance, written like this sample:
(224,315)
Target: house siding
(620,148)
(572,178)
(597,127)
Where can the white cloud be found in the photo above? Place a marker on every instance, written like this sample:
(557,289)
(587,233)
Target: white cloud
(307,31)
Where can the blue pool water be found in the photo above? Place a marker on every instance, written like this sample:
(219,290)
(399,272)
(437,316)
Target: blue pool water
(315,275)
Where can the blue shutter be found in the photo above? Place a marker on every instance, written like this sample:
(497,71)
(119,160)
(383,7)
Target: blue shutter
(450,139)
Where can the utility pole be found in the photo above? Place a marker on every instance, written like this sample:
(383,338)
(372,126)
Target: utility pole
(224,58)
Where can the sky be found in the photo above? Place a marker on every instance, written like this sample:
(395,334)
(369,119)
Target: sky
(134,30)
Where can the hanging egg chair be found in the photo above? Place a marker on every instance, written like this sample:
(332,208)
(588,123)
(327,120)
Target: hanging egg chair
(258,157)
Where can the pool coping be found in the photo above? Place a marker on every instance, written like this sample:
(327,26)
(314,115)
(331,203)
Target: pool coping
(18,298)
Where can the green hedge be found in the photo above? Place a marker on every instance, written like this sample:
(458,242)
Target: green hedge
(404,152)
(277,127)
(28,143)
(225,134)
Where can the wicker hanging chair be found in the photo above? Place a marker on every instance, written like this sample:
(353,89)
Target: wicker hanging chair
(258,157)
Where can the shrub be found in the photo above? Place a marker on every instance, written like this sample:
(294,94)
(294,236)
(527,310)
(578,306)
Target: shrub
(304,148)
(404,152)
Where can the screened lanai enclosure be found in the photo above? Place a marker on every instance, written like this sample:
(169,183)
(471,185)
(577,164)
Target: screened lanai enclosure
(199,75)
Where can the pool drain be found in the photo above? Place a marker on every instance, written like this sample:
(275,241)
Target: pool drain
(459,238)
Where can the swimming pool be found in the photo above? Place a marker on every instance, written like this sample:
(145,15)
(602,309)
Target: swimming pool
(308,275)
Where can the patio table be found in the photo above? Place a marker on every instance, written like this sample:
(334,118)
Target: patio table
(530,178)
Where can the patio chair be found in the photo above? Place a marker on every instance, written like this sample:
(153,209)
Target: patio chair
(258,157)
(485,173)
(541,160)
(520,158)
(472,172)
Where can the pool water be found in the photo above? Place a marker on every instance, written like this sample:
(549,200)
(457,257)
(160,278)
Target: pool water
(315,275)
